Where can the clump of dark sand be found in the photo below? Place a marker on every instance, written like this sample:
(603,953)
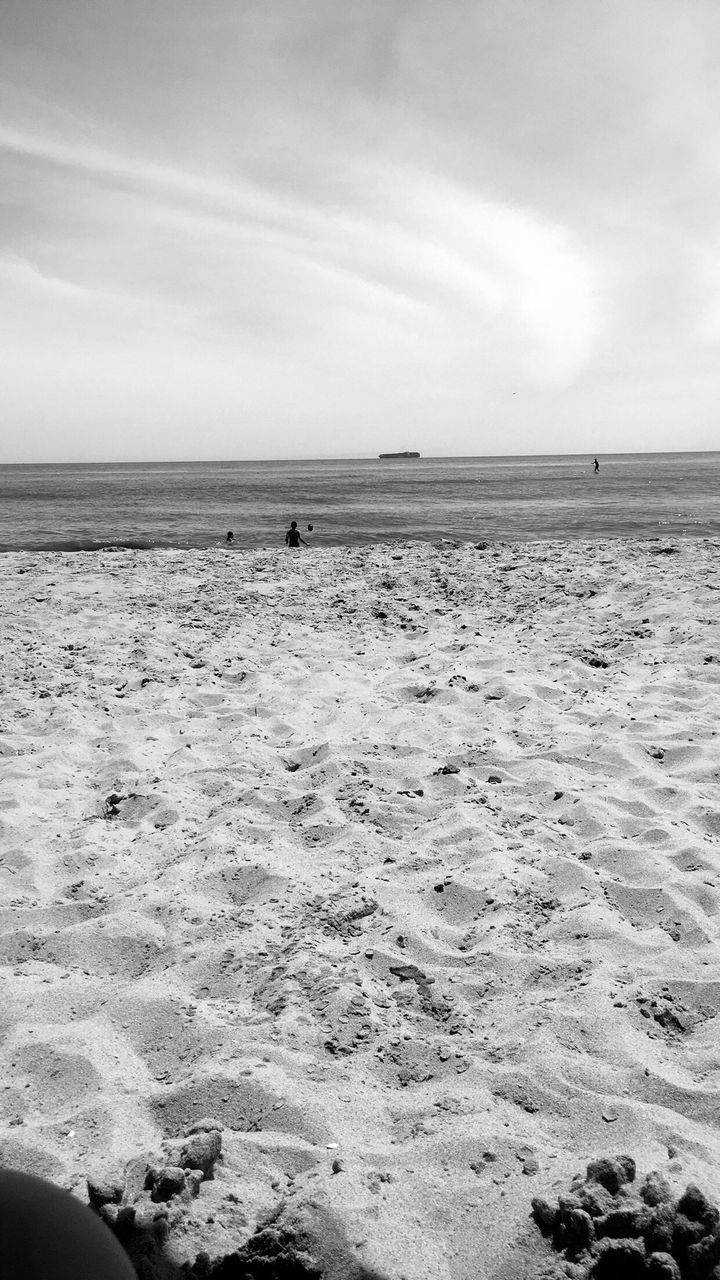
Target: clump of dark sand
(155,1209)
(608,1227)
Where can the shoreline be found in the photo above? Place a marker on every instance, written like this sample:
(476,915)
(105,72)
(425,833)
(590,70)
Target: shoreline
(79,547)
(403,856)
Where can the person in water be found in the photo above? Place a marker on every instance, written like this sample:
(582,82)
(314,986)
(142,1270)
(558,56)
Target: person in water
(292,537)
(596,466)
(231,537)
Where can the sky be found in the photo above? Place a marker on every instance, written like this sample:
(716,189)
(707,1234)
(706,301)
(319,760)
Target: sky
(314,228)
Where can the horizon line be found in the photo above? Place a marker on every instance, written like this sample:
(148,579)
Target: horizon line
(349,457)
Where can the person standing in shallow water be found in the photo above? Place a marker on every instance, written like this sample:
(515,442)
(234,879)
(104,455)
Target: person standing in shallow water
(596,466)
(292,537)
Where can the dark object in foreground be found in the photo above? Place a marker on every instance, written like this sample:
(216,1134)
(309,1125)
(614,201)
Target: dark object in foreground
(609,1229)
(46,1234)
(158,1211)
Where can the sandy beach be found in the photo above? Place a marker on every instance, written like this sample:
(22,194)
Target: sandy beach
(400,864)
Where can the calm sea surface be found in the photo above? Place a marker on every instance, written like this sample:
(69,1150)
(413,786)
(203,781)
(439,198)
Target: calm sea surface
(194,504)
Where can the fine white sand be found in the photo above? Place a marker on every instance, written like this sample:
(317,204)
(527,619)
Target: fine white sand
(240,791)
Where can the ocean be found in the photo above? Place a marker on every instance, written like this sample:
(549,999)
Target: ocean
(194,504)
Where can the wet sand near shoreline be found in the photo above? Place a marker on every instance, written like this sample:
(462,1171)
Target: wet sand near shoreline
(401,862)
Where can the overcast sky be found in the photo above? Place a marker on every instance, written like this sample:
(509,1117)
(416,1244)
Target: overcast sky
(287,228)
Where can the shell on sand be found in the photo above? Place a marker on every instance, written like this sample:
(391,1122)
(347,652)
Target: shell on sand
(399,859)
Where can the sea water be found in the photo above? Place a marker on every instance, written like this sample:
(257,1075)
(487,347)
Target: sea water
(194,504)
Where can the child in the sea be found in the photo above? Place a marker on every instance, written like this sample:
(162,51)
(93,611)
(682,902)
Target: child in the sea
(292,537)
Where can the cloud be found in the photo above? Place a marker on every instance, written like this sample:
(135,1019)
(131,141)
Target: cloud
(134,172)
(340,214)
(517,263)
(407,248)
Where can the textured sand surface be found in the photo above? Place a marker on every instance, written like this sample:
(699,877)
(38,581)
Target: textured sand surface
(404,859)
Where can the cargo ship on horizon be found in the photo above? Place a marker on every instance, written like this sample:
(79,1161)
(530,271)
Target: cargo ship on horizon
(406,454)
